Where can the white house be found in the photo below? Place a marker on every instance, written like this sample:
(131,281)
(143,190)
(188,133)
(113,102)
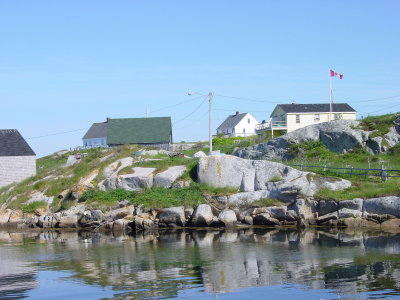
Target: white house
(17,159)
(238,125)
(96,136)
(288,117)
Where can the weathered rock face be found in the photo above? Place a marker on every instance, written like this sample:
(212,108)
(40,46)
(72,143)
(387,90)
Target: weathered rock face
(142,178)
(199,154)
(383,205)
(338,136)
(5,216)
(275,180)
(227,217)
(173,216)
(166,179)
(39,196)
(68,222)
(202,216)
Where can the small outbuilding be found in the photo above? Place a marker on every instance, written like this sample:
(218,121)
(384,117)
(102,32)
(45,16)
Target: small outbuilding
(17,159)
(155,132)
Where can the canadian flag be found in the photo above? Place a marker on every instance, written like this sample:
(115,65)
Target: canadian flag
(333,74)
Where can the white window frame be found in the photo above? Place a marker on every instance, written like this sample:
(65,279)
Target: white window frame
(317,117)
(297,119)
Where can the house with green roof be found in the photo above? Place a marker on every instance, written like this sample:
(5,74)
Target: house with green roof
(142,131)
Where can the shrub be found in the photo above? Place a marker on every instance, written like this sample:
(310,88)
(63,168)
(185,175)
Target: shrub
(31,207)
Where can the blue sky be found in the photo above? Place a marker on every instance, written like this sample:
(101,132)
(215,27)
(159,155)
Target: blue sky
(67,64)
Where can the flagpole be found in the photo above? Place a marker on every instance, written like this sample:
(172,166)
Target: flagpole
(330,96)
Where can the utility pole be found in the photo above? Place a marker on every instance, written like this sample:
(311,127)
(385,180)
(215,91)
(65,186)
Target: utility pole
(210,96)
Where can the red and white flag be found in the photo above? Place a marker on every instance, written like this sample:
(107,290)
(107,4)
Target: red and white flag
(333,74)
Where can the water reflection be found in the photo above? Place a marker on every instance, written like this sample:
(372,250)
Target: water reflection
(164,263)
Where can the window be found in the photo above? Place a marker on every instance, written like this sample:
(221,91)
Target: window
(317,117)
(338,116)
(297,119)
(248,120)
(244,130)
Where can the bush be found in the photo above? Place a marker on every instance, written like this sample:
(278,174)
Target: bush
(309,148)
(31,207)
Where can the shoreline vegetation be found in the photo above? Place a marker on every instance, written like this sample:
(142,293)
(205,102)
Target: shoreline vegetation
(58,188)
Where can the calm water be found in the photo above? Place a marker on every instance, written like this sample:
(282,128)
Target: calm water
(246,264)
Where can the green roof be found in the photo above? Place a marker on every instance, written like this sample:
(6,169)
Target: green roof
(139,131)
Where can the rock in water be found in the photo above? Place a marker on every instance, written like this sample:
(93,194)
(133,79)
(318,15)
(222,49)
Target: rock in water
(173,216)
(227,217)
(384,205)
(202,216)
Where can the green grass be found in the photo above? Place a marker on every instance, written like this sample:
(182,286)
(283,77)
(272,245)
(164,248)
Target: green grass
(275,179)
(227,145)
(363,189)
(315,153)
(31,207)
(267,202)
(154,197)
(67,176)
(381,124)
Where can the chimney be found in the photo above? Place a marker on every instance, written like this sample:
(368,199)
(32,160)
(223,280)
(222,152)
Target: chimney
(237,112)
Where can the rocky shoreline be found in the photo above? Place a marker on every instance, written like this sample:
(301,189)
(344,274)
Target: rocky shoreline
(375,213)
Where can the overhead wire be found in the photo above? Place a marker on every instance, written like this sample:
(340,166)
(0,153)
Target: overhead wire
(81,129)
(191,113)
(56,133)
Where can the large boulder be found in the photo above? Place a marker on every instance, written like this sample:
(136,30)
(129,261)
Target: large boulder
(338,136)
(202,216)
(120,213)
(37,196)
(68,222)
(326,207)
(199,154)
(278,148)
(384,205)
(142,178)
(227,217)
(276,180)
(350,208)
(167,178)
(47,221)
(342,141)
(5,216)
(173,216)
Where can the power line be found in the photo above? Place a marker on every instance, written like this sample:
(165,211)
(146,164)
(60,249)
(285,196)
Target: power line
(375,99)
(398,104)
(191,113)
(170,106)
(194,122)
(80,129)
(274,101)
(56,133)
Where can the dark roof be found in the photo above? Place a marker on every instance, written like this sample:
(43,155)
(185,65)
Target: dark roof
(13,144)
(139,131)
(97,130)
(231,121)
(310,108)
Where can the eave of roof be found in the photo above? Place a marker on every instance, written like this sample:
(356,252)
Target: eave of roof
(315,108)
